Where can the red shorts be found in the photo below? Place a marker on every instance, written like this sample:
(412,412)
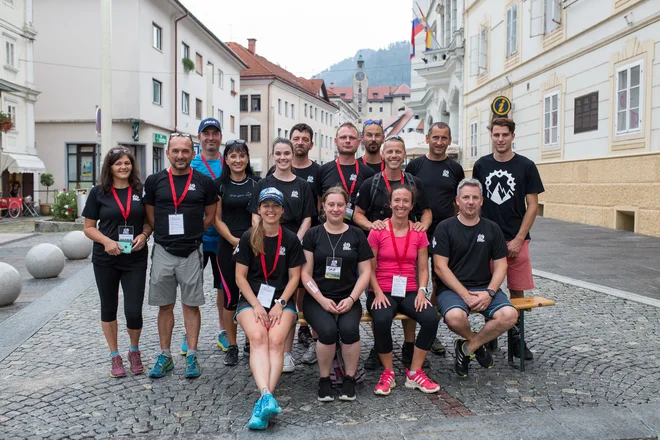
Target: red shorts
(519,272)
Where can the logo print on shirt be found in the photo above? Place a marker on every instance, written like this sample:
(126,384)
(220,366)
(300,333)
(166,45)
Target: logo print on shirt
(353,177)
(282,250)
(294,194)
(191,187)
(445,173)
(310,179)
(235,250)
(434,242)
(481,238)
(347,246)
(136,198)
(144,193)
(500,190)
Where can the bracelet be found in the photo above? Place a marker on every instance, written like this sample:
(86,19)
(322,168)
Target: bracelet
(351,298)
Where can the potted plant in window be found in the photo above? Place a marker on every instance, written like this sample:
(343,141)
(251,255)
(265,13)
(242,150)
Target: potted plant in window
(188,65)
(6,122)
(46,180)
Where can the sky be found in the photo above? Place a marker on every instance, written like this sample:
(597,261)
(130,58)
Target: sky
(306,36)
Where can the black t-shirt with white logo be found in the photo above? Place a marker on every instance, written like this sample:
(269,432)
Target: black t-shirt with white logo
(310,175)
(351,246)
(291,255)
(376,167)
(103,207)
(505,186)
(440,179)
(236,197)
(377,207)
(299,203)
(158,193)
(469,249)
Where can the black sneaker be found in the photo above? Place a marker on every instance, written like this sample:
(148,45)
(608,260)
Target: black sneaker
(484,357)
(373,361)
(462,360)
(246,350)
(231,357)
(438,348)
(347,388)
(305,335)
(325,390)
(407,351)
(516,346)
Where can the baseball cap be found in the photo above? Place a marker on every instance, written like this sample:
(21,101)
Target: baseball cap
(209,122)
(273,194)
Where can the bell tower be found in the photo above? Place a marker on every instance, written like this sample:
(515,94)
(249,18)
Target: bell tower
(360,86)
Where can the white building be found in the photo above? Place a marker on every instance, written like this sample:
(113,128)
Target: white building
(584,80)
(19,159)
(151,88)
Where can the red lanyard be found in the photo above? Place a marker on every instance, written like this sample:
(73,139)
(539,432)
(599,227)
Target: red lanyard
(382,164)
(277,257)
(208,167)
(176,201)
(124,212)
(396,251)
(343,181)
(387,182)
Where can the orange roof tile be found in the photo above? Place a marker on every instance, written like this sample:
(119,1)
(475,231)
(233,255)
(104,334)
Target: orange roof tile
(346,93)
(401,123)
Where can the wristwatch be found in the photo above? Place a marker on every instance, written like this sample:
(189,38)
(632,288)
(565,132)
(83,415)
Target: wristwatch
(425,290)
(280,301)
(491,292)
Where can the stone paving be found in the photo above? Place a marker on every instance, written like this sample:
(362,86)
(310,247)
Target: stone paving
(590,350)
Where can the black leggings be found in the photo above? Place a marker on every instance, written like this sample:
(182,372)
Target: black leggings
(227,273)
(132,283)
(427,319)
(327,324)
(213,258)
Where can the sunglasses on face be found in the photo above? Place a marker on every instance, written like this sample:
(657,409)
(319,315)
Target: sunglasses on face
(235,142)
(373,122)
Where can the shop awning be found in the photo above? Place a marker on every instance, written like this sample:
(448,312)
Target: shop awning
(21,163)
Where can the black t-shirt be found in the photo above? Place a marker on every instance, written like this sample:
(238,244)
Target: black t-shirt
(103,207)
(236,197)
(299,203)
(352,247)
(329,177)
(309,174)
(376,167)
(158,193)
(291,255)
(378,207)
(469,249)
(440,179)
(505,185)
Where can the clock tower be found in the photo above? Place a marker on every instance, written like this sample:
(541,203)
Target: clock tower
(360,86)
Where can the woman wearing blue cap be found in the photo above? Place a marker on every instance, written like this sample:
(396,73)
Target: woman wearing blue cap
(268,261)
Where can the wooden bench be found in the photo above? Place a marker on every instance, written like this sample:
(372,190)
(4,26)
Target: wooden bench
(521,304)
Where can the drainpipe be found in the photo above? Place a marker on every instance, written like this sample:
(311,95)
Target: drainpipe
(271,114)
(176,70)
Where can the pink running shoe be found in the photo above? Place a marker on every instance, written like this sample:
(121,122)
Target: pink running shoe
(136,362)
(385,384)
(117,369)
(421,382)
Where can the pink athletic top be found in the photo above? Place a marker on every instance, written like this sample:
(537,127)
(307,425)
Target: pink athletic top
(386,262)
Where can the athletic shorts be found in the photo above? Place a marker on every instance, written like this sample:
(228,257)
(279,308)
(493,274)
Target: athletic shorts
(449,299)
(213,258)
(168,271)
(243,305)
(519,270)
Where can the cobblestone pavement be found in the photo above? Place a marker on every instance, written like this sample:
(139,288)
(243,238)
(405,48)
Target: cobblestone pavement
(590,349)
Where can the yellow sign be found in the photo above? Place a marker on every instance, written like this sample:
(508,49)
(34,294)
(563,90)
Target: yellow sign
(501,106)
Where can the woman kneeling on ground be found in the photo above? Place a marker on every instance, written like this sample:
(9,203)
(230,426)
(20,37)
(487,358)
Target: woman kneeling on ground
(401,253)
(332,303)
(268,261)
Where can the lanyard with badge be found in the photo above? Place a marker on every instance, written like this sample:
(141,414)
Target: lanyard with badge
(333,264)
(208,167)
(382,164)
(348,215)
(176,220)
(266,291)
(399,282)
(125,235)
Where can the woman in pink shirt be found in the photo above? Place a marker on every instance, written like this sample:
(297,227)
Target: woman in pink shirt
(401,261)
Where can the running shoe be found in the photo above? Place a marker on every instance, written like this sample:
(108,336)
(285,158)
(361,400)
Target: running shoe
(516,345)
(117,370)
(484,357)
(325,390)
(289,364)
(135,359)
(385,384)
(184,345)
(192,367)
(438,348)
(421,382)
(309,357)
(256,419)
(305,335)
(223,340)
(231,357)
(269,407)
(373,361)
(347,388)
(162,366)
(462,360)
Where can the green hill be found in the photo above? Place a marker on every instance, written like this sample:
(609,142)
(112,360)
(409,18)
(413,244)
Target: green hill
(384,67)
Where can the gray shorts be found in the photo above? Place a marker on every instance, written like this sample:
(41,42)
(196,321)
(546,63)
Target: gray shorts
(168,271)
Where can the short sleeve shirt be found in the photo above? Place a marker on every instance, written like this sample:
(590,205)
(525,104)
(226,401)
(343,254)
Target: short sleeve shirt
(329,176)
(236,197)
(299,203)
(213,170)
(378,207)
(376,167)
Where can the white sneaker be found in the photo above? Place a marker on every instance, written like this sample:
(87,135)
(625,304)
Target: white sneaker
(309,357)
(289,364)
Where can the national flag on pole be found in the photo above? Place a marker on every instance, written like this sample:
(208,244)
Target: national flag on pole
(429,39)
(417,28)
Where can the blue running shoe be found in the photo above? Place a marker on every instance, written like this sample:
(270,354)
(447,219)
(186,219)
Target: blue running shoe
(162,366)
(257,421)
(192,367)
(269,406)
(184,345)
(223,340)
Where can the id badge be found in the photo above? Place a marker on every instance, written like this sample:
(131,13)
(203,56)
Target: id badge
(126,236)
(265,295)
(332,268)
(399,286)
(176,224)
(348,215)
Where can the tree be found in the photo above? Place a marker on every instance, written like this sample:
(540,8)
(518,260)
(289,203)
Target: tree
(47,180)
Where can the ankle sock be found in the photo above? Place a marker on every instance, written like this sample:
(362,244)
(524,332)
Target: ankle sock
(222,331)
(412,373)
(466,350)
(167,353)
(191,352)
(114,353)
(131,348)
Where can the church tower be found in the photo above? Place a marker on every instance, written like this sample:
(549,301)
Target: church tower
(360,86)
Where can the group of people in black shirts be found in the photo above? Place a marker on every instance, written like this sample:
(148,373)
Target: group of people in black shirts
(313,238)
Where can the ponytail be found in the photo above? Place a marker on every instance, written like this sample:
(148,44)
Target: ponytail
(257,237)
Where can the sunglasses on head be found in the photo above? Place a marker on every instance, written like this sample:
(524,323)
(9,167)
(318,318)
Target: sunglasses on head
(185,135)
(234,142)
(373,122)
(120,150)
(395,138)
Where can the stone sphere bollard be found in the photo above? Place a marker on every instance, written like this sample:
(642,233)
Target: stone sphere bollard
(10,284)
(76,245)
(45,260)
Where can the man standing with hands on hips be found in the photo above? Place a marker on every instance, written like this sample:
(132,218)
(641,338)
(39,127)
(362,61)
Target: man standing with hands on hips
(180,204)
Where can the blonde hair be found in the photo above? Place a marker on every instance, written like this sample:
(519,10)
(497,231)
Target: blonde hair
(257,237)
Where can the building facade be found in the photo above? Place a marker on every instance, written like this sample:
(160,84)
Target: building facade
(584,80)
(19,158)
(169,72)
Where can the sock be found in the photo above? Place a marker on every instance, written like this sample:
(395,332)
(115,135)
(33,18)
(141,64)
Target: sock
(264,391)
(114,353)
(222,331)
(191,352)
(465,349)
(167,353)
(131,348)
(411,373)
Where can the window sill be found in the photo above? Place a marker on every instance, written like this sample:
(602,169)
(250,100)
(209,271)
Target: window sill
(10,68)
(159,50)
(157,104)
